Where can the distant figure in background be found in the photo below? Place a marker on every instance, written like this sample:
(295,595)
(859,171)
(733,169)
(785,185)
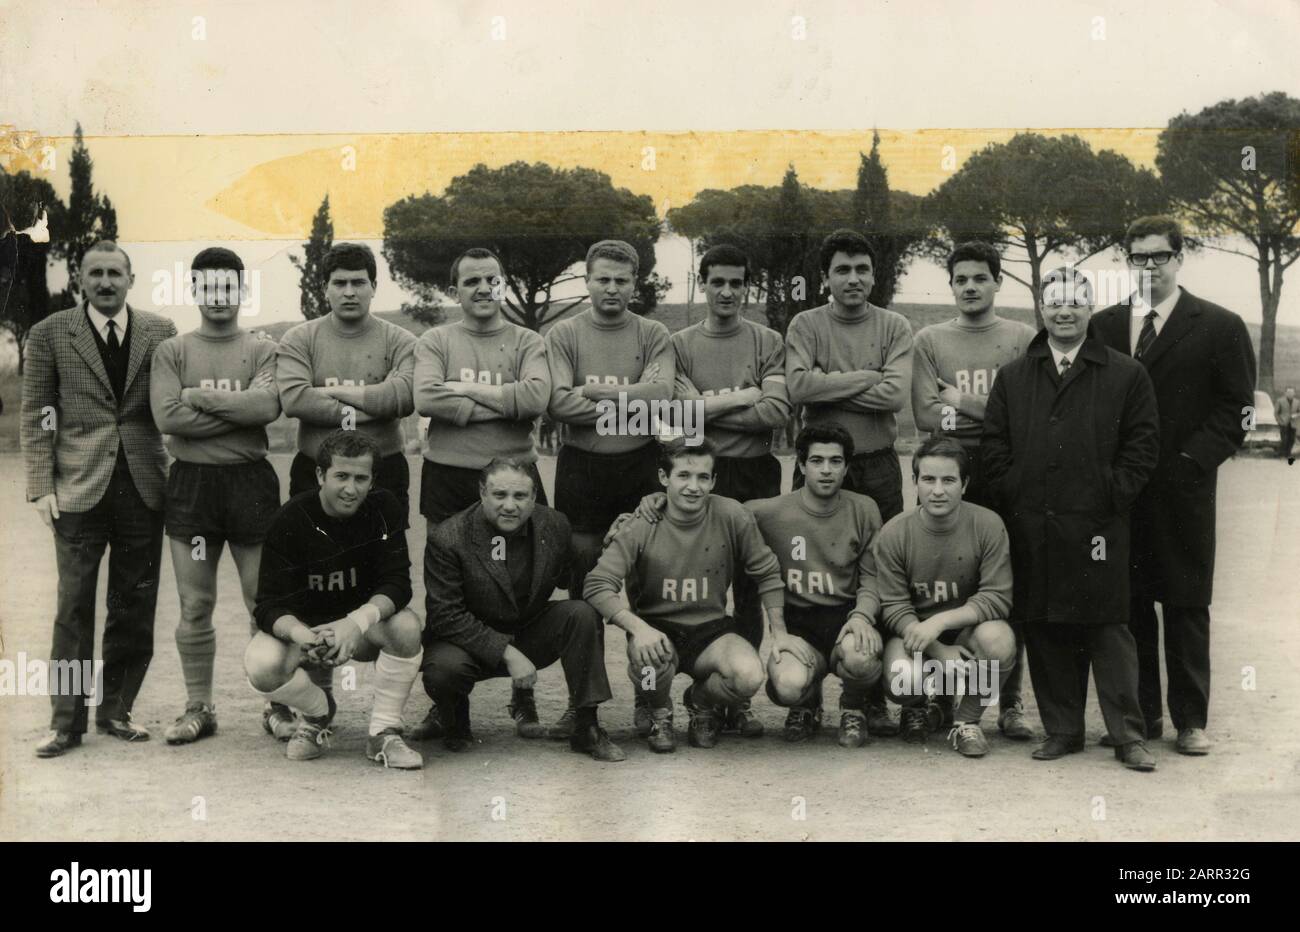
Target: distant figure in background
(96,472)
(1288,413)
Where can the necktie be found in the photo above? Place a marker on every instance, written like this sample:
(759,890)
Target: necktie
(112,341)
(1065,365)
(1147,336)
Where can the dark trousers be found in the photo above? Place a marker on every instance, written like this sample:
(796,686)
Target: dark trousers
(1059,658)
(1187,662)
(746,479)
(1288,440)
(570,631)
(133,532)
(875,474)
(393,473)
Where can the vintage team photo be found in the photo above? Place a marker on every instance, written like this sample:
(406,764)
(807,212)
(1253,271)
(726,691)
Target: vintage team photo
(849,483)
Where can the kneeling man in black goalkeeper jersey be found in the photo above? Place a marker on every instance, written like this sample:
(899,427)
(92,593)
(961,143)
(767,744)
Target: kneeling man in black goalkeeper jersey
(677,572)
(822,536)
(943,574)
(333,587)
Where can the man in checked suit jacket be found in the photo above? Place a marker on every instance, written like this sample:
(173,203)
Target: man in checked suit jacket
(96,470)
(1200,359)
(489,572)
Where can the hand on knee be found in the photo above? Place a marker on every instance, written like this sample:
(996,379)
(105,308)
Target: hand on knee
(859,667)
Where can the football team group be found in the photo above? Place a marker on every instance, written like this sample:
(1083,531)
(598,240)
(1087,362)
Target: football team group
(1066,486)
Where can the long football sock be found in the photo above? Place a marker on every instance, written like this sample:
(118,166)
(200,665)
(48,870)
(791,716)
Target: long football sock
(198,649)
(300,693)
(394,677)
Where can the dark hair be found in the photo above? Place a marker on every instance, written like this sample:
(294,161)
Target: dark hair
(724,254)
(847,241)
(678,447)
(822,433)
(1156,225)
(975,251)
(945,447)
(500,463)
(1072,278)
(348,443)
(107,245)
(615,250)
(349,256)
(477,252)
(217,257)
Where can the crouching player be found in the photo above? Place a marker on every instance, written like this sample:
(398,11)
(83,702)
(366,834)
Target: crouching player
(333,587)
(822,535)
(677,572)
(943,573)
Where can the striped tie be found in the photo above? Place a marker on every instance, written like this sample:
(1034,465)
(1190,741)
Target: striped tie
(1147,336)
(1065,365)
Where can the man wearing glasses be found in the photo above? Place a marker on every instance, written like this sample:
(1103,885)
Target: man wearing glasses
(1201,361)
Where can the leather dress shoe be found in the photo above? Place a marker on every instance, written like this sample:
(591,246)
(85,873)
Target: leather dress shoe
(1154,733)
(122,728)
(1193,741)
(1135,756)
(594,741)
(57,743)
(1057,746)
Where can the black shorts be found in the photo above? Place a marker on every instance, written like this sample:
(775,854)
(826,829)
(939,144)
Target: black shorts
(691,640)
(592,489)
(393,474)
(820,626)
(746,478)
(876,475)
(447,490)
(232,503)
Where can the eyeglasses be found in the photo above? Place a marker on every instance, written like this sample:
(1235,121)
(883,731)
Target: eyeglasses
(1139,259)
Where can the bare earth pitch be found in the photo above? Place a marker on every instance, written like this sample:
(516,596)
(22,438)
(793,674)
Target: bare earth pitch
(244,789)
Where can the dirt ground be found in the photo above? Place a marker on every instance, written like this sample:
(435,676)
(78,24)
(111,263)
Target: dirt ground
(238,785)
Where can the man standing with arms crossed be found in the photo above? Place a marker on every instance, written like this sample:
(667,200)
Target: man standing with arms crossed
(952,374)
(213,393)
(346,370)
(595,356)
(736,368)
(95,471)
(849,363)
(482,382)
(1202,364)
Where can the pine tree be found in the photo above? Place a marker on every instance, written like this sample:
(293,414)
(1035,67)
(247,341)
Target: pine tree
(311,281)
(90,217)
(873,217)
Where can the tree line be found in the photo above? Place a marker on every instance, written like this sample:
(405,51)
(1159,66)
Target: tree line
(1230,171)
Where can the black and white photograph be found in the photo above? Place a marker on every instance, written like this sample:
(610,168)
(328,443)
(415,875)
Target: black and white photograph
(717,422)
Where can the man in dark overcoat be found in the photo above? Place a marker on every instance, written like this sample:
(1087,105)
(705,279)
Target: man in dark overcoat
(1200,359)
(1070,438)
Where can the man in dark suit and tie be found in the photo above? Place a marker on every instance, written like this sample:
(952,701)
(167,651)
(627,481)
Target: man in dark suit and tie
(96,471)
(489,572)
(1200,359)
